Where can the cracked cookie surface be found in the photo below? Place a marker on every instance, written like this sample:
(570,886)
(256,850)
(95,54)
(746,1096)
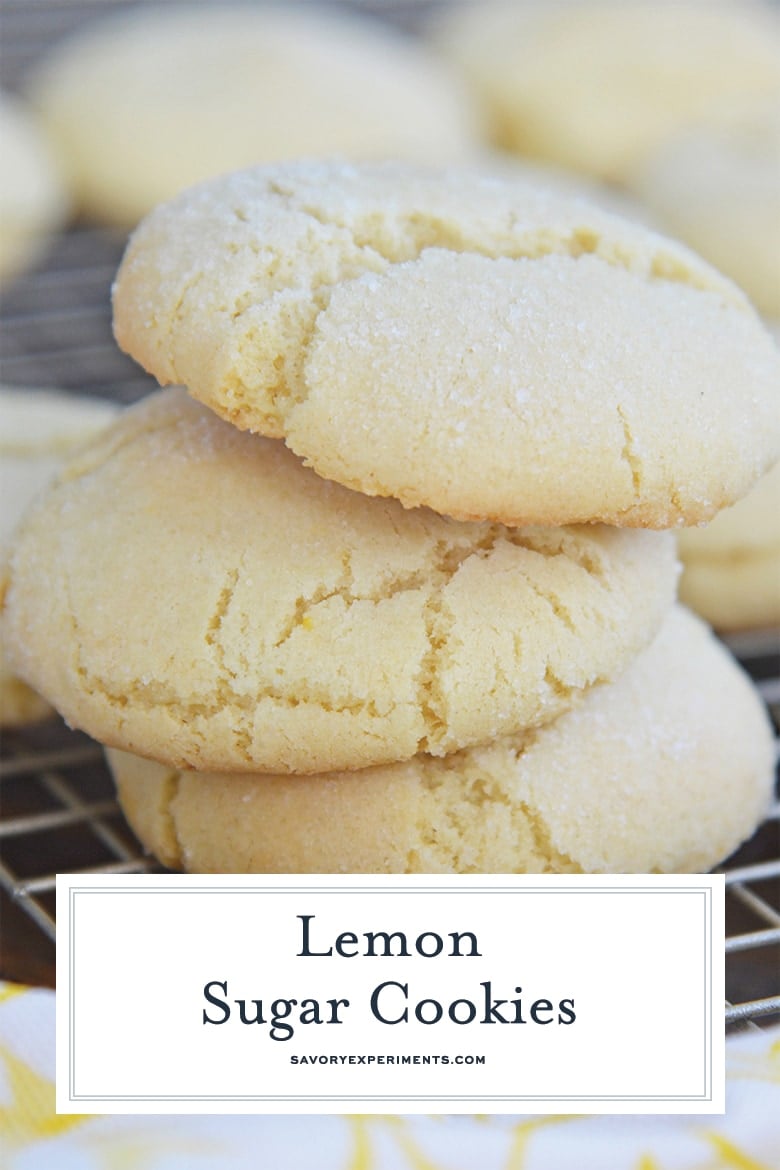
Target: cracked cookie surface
(194,594)
(666,769)
(466,342)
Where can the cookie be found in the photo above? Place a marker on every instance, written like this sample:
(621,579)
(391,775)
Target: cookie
(666,769)
(32,196)
(192,593)
(19,704)
(38,429)
(718,188)
(732,566)
(464,342)
(144,103)
(569,184)
(599,85)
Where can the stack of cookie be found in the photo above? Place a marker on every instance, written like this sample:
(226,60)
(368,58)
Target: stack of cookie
(678,103)
(434,634)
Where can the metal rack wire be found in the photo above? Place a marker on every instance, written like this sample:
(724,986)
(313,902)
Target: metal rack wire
(58,812)
(753,873)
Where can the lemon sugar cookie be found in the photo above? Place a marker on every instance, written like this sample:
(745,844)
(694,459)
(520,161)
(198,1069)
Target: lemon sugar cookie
(38,429)
(460,341)
(192,593)
(665,770)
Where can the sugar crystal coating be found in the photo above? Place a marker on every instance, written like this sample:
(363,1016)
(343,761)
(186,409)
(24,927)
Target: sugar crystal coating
(193,593)
(456,340)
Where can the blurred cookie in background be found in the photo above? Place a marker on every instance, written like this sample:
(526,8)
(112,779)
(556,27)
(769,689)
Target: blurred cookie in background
(717,187)
(38,429)
(148,101)
(562,182)
(32,195)
(731,568)
(597,85)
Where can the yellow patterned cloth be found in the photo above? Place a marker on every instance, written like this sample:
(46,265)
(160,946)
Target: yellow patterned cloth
(33,1137)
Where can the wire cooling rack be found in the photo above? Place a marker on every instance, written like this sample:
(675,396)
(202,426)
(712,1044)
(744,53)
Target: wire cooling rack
(58,811)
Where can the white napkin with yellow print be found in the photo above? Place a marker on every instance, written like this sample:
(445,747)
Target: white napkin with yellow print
(33,1137)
